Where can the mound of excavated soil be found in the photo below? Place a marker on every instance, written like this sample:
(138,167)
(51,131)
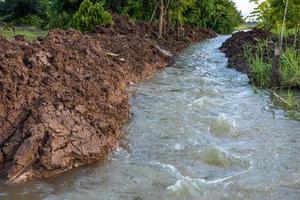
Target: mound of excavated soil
(62,97)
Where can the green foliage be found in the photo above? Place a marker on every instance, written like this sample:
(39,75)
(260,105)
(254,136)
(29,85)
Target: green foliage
(220,15)
(138,10)
(117,6)
(288,100)
(292,102)
(201,13)
(226,17)
(89,15)
(178,10)
(290,67)
(28,32)
(31,20)
(245,26)
(260,61)
(61,12)
(270,14)
(30,12)
(260,69)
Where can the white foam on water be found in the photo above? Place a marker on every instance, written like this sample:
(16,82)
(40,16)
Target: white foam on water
(170,168)
(178,146)
(224,125)
(187,187)
(221,158)
(204,103)
(193,188)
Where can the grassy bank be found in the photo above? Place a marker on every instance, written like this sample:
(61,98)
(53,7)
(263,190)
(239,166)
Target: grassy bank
(288,100)
(243,27)
(30,33)
(252,52)
(260,59)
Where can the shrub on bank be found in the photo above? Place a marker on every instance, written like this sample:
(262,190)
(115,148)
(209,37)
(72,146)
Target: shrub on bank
(31,20)
(90,15)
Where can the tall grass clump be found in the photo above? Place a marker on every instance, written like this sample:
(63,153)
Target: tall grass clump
(290,67)
(288,100)
(260,65)
(29,33)
(260,59)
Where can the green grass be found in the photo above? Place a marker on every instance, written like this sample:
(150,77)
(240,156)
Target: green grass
(260,72)
(292,101)
(290,67)
(287,32)
(260,61)
(288,100)
(260,68)
(28,32)
(243,27)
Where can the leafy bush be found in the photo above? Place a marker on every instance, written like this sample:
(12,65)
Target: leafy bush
(28,12)
(226,17)
(59,20)
(90,15)
(61,12)
(31,20)
(220,15)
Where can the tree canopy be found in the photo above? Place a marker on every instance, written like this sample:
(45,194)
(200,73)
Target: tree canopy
(220,15)
(270,14)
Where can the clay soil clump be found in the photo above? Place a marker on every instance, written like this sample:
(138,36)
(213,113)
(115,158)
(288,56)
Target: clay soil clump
(63,102)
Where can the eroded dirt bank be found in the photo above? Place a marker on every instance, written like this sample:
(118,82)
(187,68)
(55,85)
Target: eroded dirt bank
(62,97)
(235,45)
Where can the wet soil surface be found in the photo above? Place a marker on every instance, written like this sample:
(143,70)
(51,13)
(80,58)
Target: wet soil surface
(63,102)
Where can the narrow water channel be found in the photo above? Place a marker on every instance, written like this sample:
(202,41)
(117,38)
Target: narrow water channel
(199,131)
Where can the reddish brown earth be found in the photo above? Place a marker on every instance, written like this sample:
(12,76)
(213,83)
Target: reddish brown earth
(63,102)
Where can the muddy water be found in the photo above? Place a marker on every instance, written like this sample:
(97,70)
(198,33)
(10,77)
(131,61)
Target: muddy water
(199,131)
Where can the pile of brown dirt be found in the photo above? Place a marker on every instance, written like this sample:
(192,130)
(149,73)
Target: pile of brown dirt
(63,102)
(173,41)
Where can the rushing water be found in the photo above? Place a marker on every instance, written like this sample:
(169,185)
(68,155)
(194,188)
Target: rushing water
(199,131)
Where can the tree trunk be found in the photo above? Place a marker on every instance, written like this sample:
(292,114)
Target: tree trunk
(276,68)
(161,19)
(178,31)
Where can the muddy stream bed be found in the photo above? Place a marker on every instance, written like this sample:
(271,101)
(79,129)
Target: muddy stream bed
(198,131)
